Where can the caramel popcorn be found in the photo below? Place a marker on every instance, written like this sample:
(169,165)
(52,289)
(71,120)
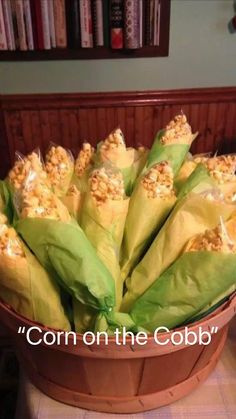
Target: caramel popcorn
(84,159)
(158,181)
(114,140)
(105,184)
(59,165)
(10,244)
(222,168)
(215,240)
(22,167)
(178,131)
(37,200)
(73,191)
(200,159)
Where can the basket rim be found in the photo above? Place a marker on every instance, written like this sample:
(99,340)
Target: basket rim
(108,348)
(216,314)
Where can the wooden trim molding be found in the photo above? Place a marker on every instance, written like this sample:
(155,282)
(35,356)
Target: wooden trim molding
(33,120)
(118,99)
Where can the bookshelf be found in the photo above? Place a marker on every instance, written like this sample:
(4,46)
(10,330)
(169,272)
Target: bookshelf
(99,52)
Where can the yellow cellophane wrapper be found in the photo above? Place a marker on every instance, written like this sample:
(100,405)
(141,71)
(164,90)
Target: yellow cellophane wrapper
(104,227)
(60,182)
(186,170)
(29,290)
(145,217)
(229,190)
(127,160)
(120,157)
(192,216)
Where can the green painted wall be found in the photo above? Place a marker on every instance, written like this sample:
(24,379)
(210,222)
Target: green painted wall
(202,53)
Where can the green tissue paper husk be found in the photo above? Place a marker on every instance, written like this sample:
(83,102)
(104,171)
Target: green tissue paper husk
(192,214)
(144,219)
(64,250)
(175,154)
(184,289)
(6,206)
(104,227)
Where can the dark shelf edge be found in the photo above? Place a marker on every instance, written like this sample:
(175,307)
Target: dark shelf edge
(82,54)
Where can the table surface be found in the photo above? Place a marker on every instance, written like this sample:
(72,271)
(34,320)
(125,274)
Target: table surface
(216,398)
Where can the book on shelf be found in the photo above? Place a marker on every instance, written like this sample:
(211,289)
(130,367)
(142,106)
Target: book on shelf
(73,23)
(28,24)
(86,24)
(8,23)
(21,24)
(97,19)
(106,22)
(45,24)
(34,23)
(39,23)
(60,23)
(3,37)
(117,24)
(141,23)
(132,24)
(147,23)
(52,30)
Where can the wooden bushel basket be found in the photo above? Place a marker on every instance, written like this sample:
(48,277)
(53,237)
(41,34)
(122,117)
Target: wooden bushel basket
(119,379)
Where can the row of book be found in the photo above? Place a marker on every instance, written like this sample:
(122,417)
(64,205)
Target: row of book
(45,24)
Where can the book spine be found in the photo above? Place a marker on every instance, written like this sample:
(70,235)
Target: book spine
(151,17)
(86,24)
(158,22)
(51,24)
(141,21)
(8,25)
(147,21)
(117,24)
(106,22)
(73,23)
(97,9)
(14,22)
(39,24)
(3,37)
(45,24)
(34,23)
(60,23)
(21,24)
(132,24)
(28,24)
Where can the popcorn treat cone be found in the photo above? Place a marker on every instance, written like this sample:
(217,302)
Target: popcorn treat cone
(172,144)
(104,212)
(83,165)
(25,285)
(113,150)
(59,167)
(23,166)
(150,203)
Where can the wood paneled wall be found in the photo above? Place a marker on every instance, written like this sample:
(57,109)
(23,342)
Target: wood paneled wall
(29,121)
